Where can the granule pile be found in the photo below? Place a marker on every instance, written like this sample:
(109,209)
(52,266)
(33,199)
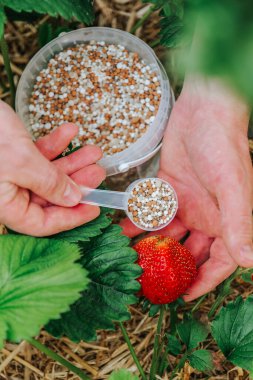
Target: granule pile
(152,203)
(108,91)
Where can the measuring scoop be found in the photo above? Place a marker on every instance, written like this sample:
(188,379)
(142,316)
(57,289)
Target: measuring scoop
(150,203)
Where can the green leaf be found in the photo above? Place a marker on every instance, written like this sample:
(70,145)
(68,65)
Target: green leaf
(233,331)
(122,374)
(192,332)
(88,230)
(201,360)
(154,309)
(112,270)
(82,10)
(174,346)
(171,31)
(47,33)
(2,20)
(39,279)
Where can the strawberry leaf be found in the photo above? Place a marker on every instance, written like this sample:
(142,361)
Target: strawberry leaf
(46,33)
(233,331)
(201,360)
(192,332)
(171,31)
(112,271)
(39,279)
(122,374)
(154,309)
(82,10)
(174,346)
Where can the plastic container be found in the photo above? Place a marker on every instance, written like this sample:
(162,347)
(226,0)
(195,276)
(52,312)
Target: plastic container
(119,200)
(146,146)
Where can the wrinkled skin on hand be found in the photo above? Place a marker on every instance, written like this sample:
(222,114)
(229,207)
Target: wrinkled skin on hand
(205,157)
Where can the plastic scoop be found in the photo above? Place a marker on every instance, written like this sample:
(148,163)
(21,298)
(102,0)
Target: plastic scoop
(150,203)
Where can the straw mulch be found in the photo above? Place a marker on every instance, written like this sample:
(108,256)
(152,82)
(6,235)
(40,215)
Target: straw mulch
(109,352)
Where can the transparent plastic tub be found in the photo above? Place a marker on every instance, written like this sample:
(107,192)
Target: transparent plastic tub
(146,146)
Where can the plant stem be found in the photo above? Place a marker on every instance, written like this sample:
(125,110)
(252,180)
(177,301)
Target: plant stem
(132,351)
(143,18)
(215,306)
(7,65)
(201,299)
(155,358)
(53,355)
(173,318)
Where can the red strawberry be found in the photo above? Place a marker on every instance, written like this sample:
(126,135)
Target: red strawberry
(168,268)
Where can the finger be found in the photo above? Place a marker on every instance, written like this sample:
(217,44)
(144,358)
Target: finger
(216,269)
(37,221)
(175,229)
(31,170)
(85,156)
(234,190)
(199,246)
(130,229)
(59,219)
(54,144)
(91,176)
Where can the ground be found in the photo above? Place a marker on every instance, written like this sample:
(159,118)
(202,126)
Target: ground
(109,351)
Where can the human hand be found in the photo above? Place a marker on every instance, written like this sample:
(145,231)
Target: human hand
(39,197)
(205,157)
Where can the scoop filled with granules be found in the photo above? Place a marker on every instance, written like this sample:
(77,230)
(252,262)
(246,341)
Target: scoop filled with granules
(150,203)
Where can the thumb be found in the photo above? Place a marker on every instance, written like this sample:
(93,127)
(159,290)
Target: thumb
(34,172)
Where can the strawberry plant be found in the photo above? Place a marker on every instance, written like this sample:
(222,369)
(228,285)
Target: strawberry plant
(82,280)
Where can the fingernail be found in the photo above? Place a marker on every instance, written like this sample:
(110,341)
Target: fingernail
(72,194)
(246,254)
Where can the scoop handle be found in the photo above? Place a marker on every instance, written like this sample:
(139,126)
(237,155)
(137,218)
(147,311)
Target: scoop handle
(104,198)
